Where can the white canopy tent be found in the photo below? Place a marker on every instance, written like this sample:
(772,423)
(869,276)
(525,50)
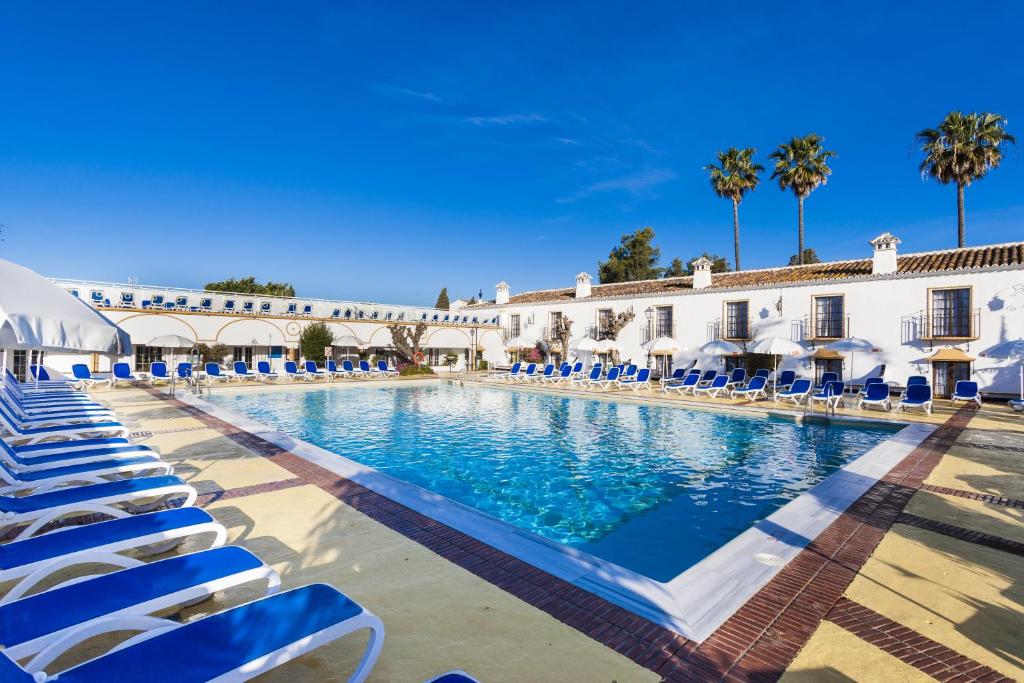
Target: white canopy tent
(36,314)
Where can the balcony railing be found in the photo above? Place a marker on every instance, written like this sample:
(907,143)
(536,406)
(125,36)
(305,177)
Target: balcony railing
(960,325)
(655,329)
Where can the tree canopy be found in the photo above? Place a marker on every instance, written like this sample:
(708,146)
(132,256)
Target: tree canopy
(248,285)
(810,256)
(962,149)
(719,264)
(636,258)
(313,340)
(442,300)
(675,269)
(735,174)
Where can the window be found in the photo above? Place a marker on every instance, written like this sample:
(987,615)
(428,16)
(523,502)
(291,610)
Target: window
(737,320)
(951,312)
(663,365)
(823,365)
(22,359)
(145,355)
(663,322)
(554,320)
(513,326)
(828,317)
(242,353)
(604,322)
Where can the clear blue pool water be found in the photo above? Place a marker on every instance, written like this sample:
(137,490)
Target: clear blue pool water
(653,489)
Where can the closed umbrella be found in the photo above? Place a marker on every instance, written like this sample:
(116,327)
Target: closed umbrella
(36,314)
(777,346)
(1009,350)
(347,341)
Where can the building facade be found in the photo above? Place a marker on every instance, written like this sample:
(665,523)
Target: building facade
(932,313)
(255,328)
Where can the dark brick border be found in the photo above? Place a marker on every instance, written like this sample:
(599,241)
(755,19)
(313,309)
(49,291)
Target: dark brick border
(756,643)
(974,495)
(963,534)
(242,491)
(909,646)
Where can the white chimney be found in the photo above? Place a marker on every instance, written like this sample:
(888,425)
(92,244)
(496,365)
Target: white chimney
(501,291)
(884,260)
(701,273)
(583,285)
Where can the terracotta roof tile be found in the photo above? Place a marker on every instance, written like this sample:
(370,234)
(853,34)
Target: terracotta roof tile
(953,259)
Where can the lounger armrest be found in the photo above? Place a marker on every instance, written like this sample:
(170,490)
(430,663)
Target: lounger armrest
(150,626)
(59,512)
(29,582)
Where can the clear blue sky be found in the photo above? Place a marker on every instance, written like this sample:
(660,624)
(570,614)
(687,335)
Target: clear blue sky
(383,150)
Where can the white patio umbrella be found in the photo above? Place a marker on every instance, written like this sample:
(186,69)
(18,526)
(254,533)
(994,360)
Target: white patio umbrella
(720,347)
(585,344)
(852,345)
(517,343)
(1009,350)
(662,345)
(36,314)
(347,341)
(778,346)
(608,345)
(172,342)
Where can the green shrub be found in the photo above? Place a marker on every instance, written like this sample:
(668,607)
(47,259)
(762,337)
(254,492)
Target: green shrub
(410,370)
(313,340)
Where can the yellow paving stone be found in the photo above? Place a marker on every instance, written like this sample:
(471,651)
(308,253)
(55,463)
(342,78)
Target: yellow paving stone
(968,597)
(437,615)
(998,520)
(834,655)
(994,472)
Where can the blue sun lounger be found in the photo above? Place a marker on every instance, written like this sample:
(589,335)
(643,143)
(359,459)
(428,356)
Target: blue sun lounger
(30,623)
(291,371)
(755,389)
(384,370)
(264,371)
(158,372)
(526,375)
(512,372)
(738,376)
(876,394)
(589,380)
(242,371)
(313,373)
(677,376)
(642,380)
(25,459)
(35,481)
(148,533)
(966,390)
(707,378)
(609,381)
(234,645)
(33,434)
(831,394)
(565,374)
(719,384)
(797,392)
(917,396)
(18,510)
(785,380)
(213,373)
(548,372)
(688,384)
(351,370)
(82,411)
(83,376)
(122,372)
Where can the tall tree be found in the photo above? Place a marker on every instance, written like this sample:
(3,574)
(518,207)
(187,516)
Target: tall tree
(675,269)
(248,285)
(313,340)
(406,339)
(734,176)
(442,300)
(961,150)
(636,258)
(719,264)
(801,165)
(809,256)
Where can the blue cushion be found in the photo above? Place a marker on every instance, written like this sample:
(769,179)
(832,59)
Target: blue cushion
(70,457)
(77,443)
(44,501)
(79,538)
(86,467)
(81,427)
(207,648)
(12,673)
(53,610)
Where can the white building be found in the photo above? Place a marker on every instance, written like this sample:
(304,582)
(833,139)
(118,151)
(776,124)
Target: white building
(956,302)
(256,328)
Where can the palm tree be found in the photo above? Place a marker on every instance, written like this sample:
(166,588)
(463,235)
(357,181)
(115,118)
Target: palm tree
(801,165)
(735,175)
(961,150)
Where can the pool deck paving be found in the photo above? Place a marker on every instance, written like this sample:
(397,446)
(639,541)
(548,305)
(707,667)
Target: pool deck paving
(920,578)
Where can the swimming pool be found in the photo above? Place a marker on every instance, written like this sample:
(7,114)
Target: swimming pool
(651,488)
